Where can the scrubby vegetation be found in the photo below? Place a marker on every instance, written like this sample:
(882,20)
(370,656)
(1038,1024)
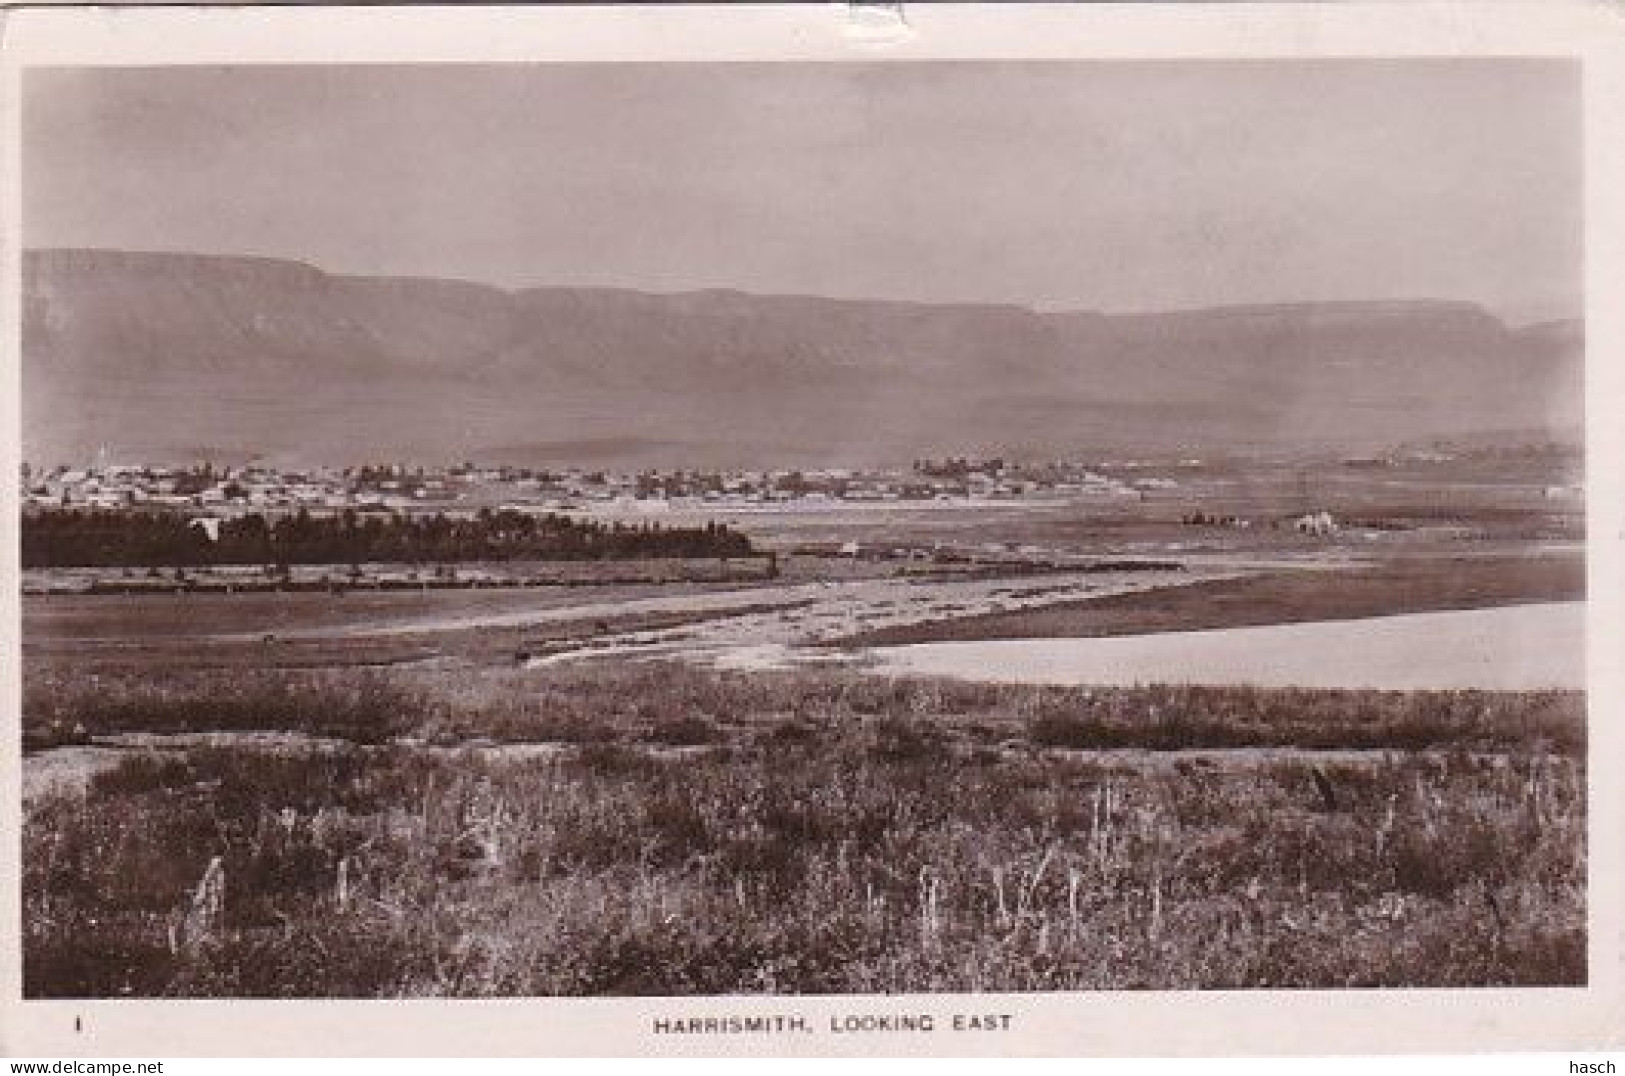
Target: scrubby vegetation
(360,705)
(828,832)
(598,701)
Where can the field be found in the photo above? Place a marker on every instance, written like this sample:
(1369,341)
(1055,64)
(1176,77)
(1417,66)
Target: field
(302,630)
(563,790)
(665,830)
(502,626)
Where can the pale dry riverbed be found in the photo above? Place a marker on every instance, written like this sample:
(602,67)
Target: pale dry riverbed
(803,616)
(1512,648)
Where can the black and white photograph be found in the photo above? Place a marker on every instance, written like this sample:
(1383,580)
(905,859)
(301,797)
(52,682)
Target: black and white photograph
(782,528)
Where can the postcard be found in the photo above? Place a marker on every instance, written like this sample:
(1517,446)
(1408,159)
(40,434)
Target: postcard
(813,530)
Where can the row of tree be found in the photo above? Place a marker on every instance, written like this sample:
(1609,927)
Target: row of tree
(64,539)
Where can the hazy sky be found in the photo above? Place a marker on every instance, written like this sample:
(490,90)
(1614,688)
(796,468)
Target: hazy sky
(1115,186)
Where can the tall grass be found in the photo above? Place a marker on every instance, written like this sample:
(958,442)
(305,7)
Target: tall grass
(360,705)
(825,833)
(659,701)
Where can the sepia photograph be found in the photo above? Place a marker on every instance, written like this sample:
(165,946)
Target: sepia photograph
(776,528)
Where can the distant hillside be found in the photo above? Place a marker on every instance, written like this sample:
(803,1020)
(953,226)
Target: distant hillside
(175,356)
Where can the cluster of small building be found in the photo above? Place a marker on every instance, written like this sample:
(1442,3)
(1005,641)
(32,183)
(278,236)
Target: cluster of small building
(1321,523)
(924,482)
(207,488)
(226,490)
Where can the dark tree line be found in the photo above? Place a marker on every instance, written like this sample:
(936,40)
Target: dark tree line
(72,538)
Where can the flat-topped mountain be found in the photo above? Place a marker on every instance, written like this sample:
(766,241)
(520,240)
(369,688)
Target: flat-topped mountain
(178,356)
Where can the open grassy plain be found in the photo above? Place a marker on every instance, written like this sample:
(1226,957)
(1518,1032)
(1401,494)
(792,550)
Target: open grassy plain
(664,830)
(385,795)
